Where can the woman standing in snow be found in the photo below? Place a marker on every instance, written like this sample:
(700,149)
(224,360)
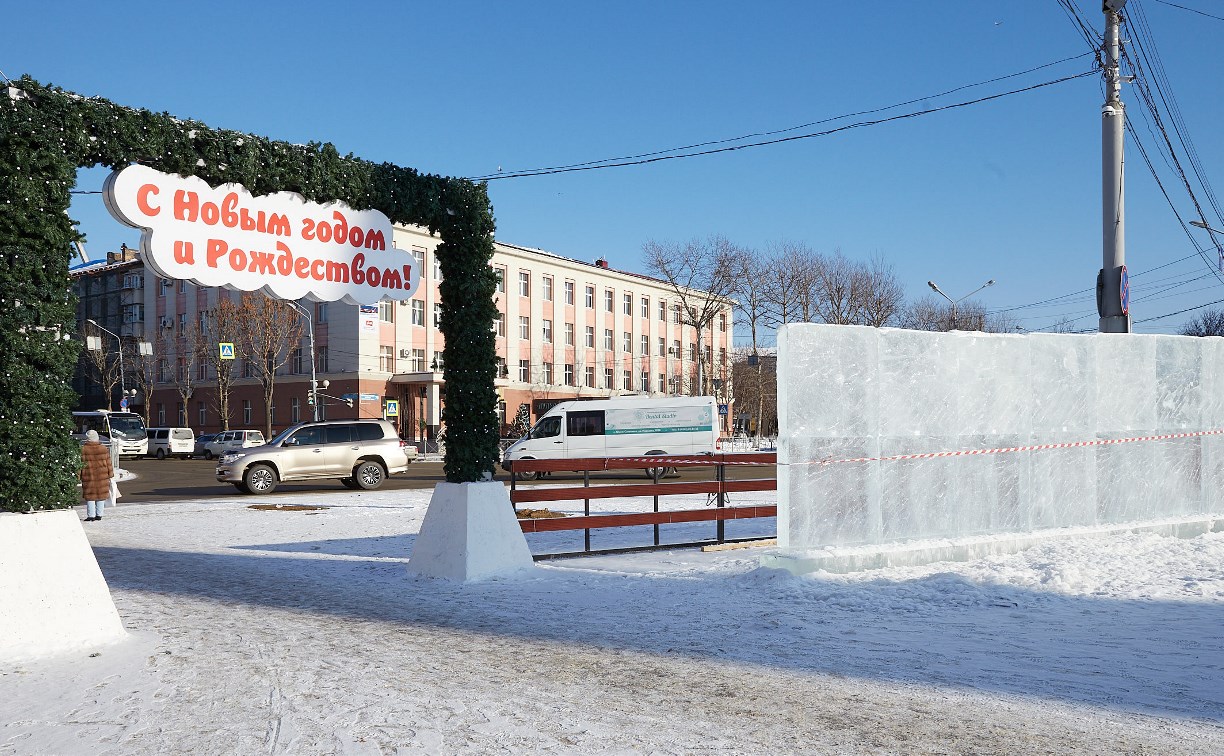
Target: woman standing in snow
(96,474)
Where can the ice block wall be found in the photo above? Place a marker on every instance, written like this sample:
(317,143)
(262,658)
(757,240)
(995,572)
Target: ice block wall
(851,392)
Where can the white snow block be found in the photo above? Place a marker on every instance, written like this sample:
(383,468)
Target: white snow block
(470,533)
(53,598)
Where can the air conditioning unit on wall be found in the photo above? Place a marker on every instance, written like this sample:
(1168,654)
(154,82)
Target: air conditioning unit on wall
(405,353)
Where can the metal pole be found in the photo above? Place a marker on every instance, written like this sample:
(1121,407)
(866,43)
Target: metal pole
(314,385)
(1113,317)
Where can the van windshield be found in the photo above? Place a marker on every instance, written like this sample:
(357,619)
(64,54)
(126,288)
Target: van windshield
(547,428)
(129,427)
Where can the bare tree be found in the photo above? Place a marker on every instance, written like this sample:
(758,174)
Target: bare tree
(1209,323)
(143,371)
(221,326)
(789,284)
(751,281)
(268,331)
(701,273)
(877,294)
(186,356)
(836,298)
(104,367)
(762,393)
(931,314)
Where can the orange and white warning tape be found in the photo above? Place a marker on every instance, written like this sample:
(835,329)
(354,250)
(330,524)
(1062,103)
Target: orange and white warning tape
(1009,449)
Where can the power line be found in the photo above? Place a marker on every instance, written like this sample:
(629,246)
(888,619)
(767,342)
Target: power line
(618,163)
(1192,10)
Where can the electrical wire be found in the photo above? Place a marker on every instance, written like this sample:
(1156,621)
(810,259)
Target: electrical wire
(1192,10)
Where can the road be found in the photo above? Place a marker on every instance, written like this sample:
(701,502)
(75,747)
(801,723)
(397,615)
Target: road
(174,479)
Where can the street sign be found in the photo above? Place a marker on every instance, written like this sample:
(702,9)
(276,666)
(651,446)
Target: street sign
(1124,292)
(722,409)
(227,350)
(123,403)
(392,408)
(369,397)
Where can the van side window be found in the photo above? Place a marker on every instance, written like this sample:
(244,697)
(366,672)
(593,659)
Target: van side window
(585,423)
(547,428)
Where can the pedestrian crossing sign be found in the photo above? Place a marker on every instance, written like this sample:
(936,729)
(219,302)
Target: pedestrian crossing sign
(227,350)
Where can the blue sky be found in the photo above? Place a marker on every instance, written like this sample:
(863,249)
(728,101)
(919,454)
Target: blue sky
(1007,189)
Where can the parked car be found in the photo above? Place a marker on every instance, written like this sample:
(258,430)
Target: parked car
(230,440)
(358,453)
(200,441)
(171,442)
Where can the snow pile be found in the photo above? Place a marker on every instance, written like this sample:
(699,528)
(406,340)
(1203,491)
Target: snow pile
(301,632)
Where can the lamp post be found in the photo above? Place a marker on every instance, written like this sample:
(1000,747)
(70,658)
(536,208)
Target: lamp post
(939,291)
(314,385)
(122,383)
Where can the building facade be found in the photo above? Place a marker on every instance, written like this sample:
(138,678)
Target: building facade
(566,329)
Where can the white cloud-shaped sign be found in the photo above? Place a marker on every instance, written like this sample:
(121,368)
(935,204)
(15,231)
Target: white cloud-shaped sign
(279,243)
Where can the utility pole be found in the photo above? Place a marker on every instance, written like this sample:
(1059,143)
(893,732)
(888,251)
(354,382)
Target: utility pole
(1113,296)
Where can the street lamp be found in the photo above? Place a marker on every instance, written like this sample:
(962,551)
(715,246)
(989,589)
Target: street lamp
(122,384)
(314,385)
(939,291)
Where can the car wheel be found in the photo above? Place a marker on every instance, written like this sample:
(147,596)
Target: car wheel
(349,482)
(261,479)
(652,472)
(161,454)
(208,454)
(528,474)
(369,475)
(242,487)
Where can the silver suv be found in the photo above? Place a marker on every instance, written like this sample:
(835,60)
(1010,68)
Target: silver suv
(360,453)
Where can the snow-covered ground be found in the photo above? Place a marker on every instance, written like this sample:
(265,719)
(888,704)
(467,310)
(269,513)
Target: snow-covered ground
(299,632)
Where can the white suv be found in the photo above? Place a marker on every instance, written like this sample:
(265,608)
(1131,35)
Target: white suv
(359,453)
(231,440)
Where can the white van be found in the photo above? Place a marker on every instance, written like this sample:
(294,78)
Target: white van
(629,426)
(171,442)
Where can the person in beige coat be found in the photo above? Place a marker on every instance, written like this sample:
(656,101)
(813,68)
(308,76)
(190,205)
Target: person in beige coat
(96,474)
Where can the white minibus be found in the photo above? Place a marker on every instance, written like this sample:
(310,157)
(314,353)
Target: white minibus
(630,426)
(125,429)
(171,442)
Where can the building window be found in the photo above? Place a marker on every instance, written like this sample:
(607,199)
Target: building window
(386,311)
(590,297)
(675,384)
(418,254)
(676,313)
(590,336)
(569,292)
(569,334)
(321,359)
(628,380)
(163,374)
(569,374)
(627,342)
(662,383)
(524,327)
(418,312)
(500,273)
(295,410)
(547,331)
(502,370)
(524,283)
(246,412)
(722,356)
(437,267)
(499,324)
(645,348)
(180,413)
(722,322)
(295,358)
(161,414)
(183,322)
(645,382)
(202,410)
(607,378)
(676,351)
(663,310)
(547,288)
(645,307)
(693,351)
(438,364)
(418,361)
(628,304)
(546,373)
(609,297)
(181,369)
(320,312)
(608,339)
(386,359)
(162,285)
(524,371)
(662,346)
(437,315)
(590,377)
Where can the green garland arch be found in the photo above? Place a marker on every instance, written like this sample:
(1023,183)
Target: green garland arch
(47,133)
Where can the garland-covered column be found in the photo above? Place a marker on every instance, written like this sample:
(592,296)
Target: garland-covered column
(467,288)
(39,460)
